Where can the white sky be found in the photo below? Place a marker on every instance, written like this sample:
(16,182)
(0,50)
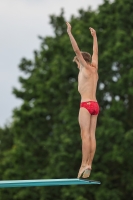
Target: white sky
(21,22)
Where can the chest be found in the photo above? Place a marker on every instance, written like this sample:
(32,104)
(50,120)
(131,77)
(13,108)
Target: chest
(87,73)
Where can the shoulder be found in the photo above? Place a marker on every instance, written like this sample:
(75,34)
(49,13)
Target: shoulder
(94,64)
(91,69)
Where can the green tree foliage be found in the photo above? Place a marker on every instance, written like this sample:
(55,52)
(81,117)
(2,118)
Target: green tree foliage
(44,141)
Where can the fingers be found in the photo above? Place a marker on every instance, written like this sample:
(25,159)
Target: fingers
(91,29)
(75,59)
(68,27)
(93,32)
(67,23)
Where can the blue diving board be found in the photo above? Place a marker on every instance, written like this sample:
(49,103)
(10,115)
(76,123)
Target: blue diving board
(45,182)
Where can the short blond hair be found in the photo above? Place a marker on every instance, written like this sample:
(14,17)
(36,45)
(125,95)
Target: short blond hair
(86,56)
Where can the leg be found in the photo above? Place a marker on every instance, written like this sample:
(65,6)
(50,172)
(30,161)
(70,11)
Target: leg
(84,122)
(93,122)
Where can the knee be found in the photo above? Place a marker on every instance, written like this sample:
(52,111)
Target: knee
(92,135)
(85,135)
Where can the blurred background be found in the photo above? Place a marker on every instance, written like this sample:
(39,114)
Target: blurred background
(39,134)
(21,23)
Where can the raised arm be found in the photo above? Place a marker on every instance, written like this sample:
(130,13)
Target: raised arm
(75,46)
(95,48)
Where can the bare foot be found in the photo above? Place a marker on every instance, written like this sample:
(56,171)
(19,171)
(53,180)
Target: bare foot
(84,172)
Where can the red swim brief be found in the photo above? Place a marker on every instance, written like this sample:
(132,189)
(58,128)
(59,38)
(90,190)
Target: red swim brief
(91,106)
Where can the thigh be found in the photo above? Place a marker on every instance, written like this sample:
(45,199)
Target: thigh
(93,123)
(84,119)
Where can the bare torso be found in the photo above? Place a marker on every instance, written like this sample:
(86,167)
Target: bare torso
(87,83)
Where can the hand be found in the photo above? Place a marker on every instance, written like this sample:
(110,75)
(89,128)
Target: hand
(93,32)
(68,27)
(75,59)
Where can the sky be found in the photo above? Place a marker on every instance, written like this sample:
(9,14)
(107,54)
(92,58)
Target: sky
(22,21)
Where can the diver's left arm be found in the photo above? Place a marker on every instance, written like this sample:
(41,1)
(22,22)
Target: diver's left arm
(75,46)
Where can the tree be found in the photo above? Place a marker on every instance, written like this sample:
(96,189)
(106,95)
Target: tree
(46,141)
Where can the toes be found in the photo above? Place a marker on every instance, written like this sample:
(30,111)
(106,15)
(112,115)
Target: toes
(86,173)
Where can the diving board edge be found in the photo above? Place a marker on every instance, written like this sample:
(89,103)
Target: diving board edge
(45,182)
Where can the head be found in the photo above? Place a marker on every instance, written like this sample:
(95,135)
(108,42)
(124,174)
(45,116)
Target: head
(86,56)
